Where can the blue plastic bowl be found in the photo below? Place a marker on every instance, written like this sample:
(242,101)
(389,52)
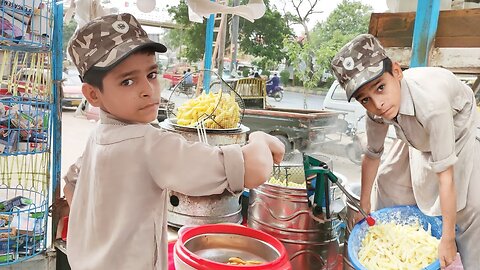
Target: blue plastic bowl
(400,215)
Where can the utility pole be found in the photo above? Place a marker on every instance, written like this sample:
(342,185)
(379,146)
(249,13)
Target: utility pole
(221,46)
(234,35)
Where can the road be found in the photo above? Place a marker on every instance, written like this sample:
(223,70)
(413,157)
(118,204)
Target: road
(75,132)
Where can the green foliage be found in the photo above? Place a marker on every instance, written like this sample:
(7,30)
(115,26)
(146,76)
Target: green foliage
(263,38)
(245,72)
(349,19)
(266,73)
(272,26)
(68,30)
(284,76)
(191,39)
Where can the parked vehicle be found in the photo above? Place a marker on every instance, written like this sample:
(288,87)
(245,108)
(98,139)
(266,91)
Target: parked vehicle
(72,89)
(175,75)
(353,111)
(93,113)
(296,128)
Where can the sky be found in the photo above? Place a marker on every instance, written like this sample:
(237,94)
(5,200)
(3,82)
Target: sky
(326,6)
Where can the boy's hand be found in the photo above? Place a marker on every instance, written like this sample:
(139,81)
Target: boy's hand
(274,144)
(259,155)
(447,252)
(278,149)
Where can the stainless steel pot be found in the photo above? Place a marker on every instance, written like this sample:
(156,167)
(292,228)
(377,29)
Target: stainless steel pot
(284,213)
(220,247)
(354,190)
(192,210)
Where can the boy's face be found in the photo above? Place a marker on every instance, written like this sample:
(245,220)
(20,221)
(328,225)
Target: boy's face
(131,90)
(382,96)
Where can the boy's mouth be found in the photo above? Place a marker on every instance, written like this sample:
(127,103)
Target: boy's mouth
(150,105)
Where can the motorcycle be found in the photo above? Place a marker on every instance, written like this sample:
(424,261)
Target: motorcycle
(275,92)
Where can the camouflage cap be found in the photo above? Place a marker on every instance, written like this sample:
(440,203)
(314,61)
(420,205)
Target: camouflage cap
(107,40)
(358,62)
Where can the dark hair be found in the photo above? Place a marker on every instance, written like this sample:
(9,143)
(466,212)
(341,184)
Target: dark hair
(388,66)
(94,76)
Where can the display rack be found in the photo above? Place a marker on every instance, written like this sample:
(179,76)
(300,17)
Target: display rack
(26,106)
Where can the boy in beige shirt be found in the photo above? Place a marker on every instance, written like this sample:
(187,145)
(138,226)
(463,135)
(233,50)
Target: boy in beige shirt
(119,186)
(434,164)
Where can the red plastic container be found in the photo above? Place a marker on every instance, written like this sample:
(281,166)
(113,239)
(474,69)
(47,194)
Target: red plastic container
(185,259)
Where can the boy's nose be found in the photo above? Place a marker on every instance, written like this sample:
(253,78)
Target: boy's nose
(378,103)
(147,89)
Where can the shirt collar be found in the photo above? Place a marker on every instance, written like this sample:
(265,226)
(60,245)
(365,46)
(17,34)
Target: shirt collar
(406,101)
(106,118)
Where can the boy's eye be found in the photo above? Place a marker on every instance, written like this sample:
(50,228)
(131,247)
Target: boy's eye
(364,101)
(127,82)
(381,88)
(153,75)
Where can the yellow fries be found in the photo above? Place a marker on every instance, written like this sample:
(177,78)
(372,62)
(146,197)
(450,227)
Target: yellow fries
(279,182)
(226,112)
(393,246)
(239,261)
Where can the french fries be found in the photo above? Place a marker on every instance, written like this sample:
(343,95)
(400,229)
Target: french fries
(393,246)
(224,109)
(239,261)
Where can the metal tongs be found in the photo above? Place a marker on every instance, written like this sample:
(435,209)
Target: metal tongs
(319,189)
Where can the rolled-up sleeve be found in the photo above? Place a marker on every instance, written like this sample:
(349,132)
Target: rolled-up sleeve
(376,133)
(234,169)
(71,176)
(193,168)
(441,128)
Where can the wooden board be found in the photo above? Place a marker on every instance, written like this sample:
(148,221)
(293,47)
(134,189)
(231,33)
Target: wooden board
(291,114)
(458,60)
(456,28)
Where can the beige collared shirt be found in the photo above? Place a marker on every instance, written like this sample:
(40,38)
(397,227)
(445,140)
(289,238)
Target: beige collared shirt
(438,119)
(119,209)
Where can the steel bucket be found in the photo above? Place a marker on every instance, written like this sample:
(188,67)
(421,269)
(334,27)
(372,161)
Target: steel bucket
(199,210)
(284,213)
(353,189)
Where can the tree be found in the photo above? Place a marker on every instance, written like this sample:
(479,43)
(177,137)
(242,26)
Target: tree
(192,36)
(349,19)
(68,30)
(264,37)
(303,9)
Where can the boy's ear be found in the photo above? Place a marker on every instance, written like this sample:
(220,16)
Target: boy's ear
(397,70)
(91,94)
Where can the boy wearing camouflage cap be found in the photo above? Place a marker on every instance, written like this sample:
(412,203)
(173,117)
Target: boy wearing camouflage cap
(119,186)
(434,164)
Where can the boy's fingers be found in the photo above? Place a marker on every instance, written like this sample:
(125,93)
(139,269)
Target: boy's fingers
(442,263)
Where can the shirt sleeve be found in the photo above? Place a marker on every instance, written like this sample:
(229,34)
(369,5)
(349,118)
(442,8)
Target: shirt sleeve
(376,133)
(72,174)
(194,168)
(441,128)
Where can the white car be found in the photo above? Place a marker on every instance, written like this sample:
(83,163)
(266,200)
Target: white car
(336,100)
